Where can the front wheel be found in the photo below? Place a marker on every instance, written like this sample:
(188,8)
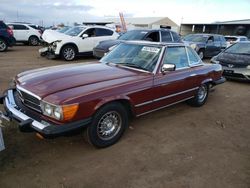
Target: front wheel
(200,97)
(3,45)
(68,53)
(108,125)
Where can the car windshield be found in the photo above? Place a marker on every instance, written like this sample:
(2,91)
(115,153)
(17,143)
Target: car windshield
(239,48)
(63,30)
(195,38)
(134,55)
(74,31)
(133,35)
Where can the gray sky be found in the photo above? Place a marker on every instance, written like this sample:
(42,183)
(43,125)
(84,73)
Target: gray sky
(63,11)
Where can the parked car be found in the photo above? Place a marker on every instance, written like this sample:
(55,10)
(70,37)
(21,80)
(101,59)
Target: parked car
(233,39)
(37,27)
(235,61)
(24,33)
(6,37)
(154,35)
(79,40)
(206,45)
(134,79)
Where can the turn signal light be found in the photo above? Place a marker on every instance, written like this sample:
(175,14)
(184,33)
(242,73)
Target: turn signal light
(69,111)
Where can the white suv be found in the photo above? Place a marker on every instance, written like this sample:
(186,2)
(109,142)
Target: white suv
(79,40)
(23,32)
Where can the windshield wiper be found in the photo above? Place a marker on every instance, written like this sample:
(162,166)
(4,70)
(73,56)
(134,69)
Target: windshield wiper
(132,65)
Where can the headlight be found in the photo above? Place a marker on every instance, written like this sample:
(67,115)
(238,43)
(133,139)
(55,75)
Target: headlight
(54,44)
(65,112)
(112,47)
(193,46)
(214,60)
(248,67)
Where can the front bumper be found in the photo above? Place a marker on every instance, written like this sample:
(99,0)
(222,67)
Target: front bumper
(236,73)
(99,53)
(32,123)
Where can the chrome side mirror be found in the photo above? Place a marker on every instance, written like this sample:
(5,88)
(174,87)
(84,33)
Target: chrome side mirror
(167,67)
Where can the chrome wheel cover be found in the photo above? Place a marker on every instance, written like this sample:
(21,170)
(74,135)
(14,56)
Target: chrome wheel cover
(109,125)
(2,45)
(69,53)
(202,93)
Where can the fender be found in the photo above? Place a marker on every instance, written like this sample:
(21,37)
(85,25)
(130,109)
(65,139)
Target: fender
(69,43)
(208,80)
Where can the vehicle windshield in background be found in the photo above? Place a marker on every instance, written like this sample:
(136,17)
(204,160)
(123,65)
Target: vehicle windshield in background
(195,38)
(239,48)
(63,30)
(74,31)
(132,55)
(133,35)
(228,39)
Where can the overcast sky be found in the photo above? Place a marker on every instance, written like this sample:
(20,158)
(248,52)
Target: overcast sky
(51,12)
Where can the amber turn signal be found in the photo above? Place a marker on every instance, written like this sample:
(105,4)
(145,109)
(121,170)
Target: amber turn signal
(69,111)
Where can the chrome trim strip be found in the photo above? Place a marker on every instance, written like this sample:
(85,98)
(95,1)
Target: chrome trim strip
(159,60)
(10,104)
(133,68)
(26,91)
(165,97)
(164,106)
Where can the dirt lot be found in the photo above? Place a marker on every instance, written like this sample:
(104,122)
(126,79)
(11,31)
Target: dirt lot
(178,147)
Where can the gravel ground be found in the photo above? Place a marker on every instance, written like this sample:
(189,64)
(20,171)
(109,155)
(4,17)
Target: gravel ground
(177,147)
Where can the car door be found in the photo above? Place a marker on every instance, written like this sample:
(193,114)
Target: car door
(86,44)
(211,48)
(177,85)
(21,32)
(217,44)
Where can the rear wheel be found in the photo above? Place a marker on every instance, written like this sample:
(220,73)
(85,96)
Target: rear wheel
(200,97)
(33,41)
(68,53)
(3,45)
(108,125)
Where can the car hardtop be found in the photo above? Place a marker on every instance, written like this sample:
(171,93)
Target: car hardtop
(158,44)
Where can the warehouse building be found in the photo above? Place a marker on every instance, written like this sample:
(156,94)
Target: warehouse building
(235,27)
(141,22)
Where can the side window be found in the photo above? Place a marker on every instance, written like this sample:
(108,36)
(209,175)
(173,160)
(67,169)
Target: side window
(90,32)
(193,57)
(103,32)
(20,27)
(177,56)
(166,36)
(175,36)
(211,38)
(243,39)
(154,36)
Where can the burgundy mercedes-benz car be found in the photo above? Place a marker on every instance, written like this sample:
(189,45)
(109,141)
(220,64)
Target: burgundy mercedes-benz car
(135,78)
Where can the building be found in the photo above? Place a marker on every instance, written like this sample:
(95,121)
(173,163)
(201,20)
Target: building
(142,22)
(235,27)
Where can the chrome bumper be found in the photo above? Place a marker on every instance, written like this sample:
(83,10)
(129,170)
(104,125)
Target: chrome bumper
(11,108)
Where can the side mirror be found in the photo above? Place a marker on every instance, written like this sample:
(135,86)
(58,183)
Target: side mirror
(167,67)
(85,36)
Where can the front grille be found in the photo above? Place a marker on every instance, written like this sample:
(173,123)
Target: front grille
(29,100)
(233,65)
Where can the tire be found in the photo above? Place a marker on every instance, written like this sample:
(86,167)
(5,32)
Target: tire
(200,97)
(108,125)
(3,45)
(68,53)
(33,41)
(201,54)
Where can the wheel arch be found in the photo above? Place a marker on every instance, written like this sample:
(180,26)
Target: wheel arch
(123,100)
(69,44)
(207,81)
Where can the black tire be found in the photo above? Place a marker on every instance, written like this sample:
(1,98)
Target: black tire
(112,114)
(201,53)
(199,98)
(3,45)
(33,41)
(68,53)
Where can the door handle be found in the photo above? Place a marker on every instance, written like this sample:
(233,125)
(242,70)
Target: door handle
(193,75)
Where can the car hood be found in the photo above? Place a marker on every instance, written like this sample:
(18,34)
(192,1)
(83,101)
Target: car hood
(230,58)
(106,44)
(50,36)
(89,77)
